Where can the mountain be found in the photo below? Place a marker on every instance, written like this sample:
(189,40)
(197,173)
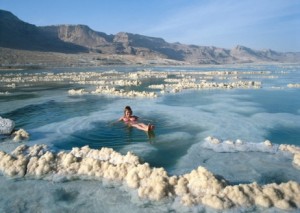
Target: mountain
(16,34)
(121,43)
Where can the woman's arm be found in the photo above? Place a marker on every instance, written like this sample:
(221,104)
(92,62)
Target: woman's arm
(114,122)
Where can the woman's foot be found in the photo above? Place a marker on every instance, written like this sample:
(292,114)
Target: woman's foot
(151,127)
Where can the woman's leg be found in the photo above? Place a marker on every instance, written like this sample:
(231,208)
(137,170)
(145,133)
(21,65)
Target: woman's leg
(143,126)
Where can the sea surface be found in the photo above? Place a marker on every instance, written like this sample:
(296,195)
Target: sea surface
(183,120)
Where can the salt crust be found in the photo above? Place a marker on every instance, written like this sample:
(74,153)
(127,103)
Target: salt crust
(197,187)
(187,80)
(19,135)
(111,82)
(4,93)
(293,85)
(295,150)
(6,125)
(239,146)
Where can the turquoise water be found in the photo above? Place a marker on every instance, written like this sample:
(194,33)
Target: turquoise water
(182,121)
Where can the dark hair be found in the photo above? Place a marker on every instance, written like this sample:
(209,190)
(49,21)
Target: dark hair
(127,108)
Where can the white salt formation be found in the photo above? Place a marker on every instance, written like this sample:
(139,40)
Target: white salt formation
(121,83)
(240,146)
(4,93)
(77,92)
(19,135)
(295,150)
(296,159)
(6,126)
(122,93)
(197,187)
(179,85)
(293,85)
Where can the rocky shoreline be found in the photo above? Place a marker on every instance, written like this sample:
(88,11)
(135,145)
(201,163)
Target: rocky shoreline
(12,59)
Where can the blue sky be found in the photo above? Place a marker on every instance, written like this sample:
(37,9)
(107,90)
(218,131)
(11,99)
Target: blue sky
(258,24)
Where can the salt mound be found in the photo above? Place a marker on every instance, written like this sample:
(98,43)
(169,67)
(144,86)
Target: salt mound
(122,93)
(77,92)
(238,146)
(105,154)
(293,85)
(296,160)
(197,187)
(6,126)
(20,135)
(294,150)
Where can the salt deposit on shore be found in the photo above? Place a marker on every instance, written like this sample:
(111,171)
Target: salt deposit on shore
(116,92)
(122,83)
(295,150)
(19,135)
(4,93)
(293,85)
(6,125)
(240,146)
(117,83)
(7,128)
(197,187)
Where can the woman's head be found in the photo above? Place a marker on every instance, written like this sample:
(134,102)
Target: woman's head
(127,110)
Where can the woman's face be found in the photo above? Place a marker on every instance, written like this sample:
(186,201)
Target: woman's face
(127,113)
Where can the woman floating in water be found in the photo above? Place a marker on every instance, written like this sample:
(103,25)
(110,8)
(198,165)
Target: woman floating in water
(132,120)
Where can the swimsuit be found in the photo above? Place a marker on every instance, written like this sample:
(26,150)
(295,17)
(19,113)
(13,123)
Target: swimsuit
(131,119)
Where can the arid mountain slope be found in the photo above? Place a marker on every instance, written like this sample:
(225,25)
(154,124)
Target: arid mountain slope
(16,34)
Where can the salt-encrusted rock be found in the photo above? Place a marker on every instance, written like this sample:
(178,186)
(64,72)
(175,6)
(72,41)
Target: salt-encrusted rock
(296,159)
(212,140)
(122,93)
(267,143)
(6,125)
(293,85)
(290,148)
(20,135)
(77,92)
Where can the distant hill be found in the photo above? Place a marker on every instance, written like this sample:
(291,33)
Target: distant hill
(16,34)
